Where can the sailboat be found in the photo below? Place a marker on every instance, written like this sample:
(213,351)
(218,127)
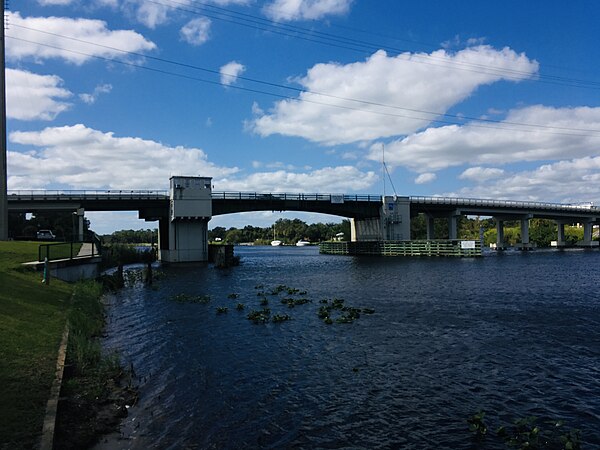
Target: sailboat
(275,242)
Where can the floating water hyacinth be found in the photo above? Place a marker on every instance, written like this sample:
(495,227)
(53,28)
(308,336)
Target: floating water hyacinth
(280,318)
(349,313)
(233,295)
(240,306)
(222,309)
(260,316)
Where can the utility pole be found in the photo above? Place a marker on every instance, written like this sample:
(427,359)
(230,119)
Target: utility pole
(3,174)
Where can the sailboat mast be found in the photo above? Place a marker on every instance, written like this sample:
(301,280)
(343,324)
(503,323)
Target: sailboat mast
(383,167)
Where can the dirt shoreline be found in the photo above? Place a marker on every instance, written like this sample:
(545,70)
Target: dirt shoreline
(84,419)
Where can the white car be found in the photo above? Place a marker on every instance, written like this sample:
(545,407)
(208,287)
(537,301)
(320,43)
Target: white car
(45,235)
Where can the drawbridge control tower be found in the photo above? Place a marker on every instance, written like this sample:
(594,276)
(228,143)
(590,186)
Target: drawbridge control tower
(190,210)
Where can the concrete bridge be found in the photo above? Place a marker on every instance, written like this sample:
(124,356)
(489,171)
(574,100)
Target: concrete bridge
(184,210)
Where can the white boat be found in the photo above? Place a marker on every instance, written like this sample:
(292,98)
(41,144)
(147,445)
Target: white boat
(302,243)
(275,242)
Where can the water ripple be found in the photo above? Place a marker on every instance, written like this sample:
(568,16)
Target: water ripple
(513,335)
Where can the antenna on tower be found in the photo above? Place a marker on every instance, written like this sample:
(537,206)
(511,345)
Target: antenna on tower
(386,172)
(383,166)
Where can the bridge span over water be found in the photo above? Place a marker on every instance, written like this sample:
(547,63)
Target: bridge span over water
(185,209)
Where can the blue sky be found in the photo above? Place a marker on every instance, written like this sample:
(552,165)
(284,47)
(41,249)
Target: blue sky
(472,99)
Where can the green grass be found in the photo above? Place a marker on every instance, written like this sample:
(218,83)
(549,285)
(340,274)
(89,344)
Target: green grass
(32,320)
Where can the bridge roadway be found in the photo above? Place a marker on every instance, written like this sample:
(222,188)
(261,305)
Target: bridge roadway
(154,204)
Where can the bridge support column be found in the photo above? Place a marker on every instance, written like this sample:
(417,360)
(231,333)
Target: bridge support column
(560,239)
(163,237)
(190,210)
(588,227)
(525,245)
(500,234)
(453,226)
(80,218)
(430,221)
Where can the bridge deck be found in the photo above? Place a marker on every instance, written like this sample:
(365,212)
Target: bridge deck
(153,204)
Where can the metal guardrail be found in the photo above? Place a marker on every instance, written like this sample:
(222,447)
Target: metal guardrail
(300,197)
(65,250)
(114,194)
(88,194)
(503,204)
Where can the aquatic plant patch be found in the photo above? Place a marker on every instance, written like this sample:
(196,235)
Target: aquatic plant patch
(336,310)
(526,433)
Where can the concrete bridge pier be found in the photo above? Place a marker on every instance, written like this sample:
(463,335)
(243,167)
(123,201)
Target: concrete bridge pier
(395,218)
(525,244)
(183,235)
(500,244)
(80,218)
(588,227)
(560,239)
(430,221)
(453,225)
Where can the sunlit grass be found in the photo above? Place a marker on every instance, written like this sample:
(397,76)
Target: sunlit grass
(32,319)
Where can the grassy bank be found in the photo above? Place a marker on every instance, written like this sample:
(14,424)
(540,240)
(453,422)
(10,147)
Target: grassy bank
(95,389)
(32,319)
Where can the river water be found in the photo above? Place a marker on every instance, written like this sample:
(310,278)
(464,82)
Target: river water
(513,334)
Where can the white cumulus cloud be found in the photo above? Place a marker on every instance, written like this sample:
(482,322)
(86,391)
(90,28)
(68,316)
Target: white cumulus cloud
(289,10)
(454,145)
(30,96)
(405,84)
(196,31)
(230,72)
(153,14)
(95,31)
(426,177)
(80,157)
(327,179)
(90,99)
(55,2)
(567,181)
(481,173)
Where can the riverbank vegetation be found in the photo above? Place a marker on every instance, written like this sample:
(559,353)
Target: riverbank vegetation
(32,320)
(541,231)
(95,392)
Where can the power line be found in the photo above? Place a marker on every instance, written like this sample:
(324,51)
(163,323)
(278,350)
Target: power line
(457,119)
(231,16)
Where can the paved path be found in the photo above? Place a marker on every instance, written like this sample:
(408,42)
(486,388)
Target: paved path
(86,249)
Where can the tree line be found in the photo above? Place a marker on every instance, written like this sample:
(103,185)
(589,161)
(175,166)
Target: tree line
(541,231)
(288,231)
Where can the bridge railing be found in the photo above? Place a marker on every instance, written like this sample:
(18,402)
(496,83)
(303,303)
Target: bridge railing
(300,197)
(34,194)
(458,201)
